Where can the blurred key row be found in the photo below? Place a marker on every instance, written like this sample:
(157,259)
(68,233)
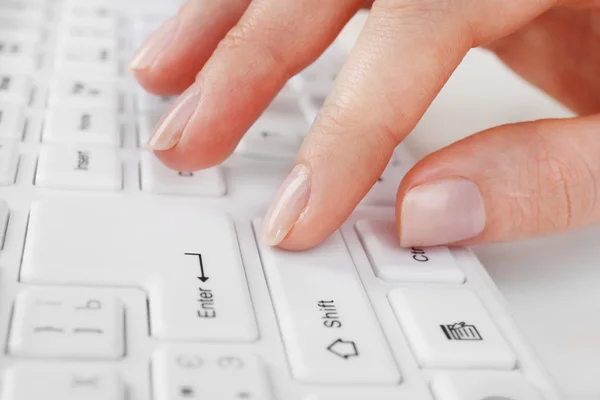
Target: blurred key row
(178,372)
(181,373)
(100,168)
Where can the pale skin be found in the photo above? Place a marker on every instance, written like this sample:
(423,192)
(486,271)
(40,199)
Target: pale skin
(506,183)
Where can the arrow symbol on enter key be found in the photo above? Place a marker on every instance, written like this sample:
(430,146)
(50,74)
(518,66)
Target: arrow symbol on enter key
(202,277)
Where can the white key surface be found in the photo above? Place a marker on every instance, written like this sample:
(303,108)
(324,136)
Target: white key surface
(383,193)
(313,84)
(14,88)
(84,93)
(9,160)
(273,137)
(79,168)
(329,329)
(487,385)
(55,381)
(450,328)
(148,103)
(277,133)
(185,373)
(88,58)
(67,323)
(190,298)
(394,263)
(14,46)
(81,126)
(91,13)
(146,125)
(4,214)
(310,106)
(157,178)
(11,121)
(80,31)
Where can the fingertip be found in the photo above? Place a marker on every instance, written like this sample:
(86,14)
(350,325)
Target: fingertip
(155,45)
(154,82)
(441,212)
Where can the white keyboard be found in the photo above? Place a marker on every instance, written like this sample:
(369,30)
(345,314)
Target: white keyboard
(123,280)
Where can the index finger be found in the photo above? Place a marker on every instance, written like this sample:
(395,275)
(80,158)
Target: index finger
(405,54)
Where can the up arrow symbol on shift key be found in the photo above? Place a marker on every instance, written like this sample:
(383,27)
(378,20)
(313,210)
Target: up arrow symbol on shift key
(344,349)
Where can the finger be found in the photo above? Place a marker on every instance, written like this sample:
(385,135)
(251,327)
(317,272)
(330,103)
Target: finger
(558,53)
(405,54)
(168,61)
(507,183)
(272,41)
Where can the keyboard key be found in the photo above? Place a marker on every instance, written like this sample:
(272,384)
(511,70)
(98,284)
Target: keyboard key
(88,58)
(328,327)
(183,373)
(146,125)
(23,5)
(93,14)
(80,126)
(394,263)
(14,88)
(4,214)
(371,394)
(81,93)
(157,178)
(450,328)
(272,138)
(79,168)
(90,10)
(148,103)
(80,32)
(277,133)
(11,121)
(313,84)
(67,323)
(483,385)
(31,14)
(27,381)
(16,46)
(17,25)
(383,193)
(310,106)
(185,257)
(9,160)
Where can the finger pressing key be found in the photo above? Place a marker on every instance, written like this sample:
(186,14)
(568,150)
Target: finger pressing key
(273,40)
(170,58)
(404,56)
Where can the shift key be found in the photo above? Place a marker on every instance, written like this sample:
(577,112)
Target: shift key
(329,330)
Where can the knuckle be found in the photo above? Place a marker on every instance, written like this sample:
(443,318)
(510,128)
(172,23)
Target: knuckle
(245,39)
(560,191)
(552,193)
(334,120)
(425,11)
(434,19)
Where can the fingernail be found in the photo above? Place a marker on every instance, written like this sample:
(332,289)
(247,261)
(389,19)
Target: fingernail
(286,208)
(441,213)
(171,126)
(154,45)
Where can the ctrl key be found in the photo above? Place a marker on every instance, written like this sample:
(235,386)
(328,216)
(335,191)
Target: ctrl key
(61,381)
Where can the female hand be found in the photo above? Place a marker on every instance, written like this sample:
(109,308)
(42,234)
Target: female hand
(230,58)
